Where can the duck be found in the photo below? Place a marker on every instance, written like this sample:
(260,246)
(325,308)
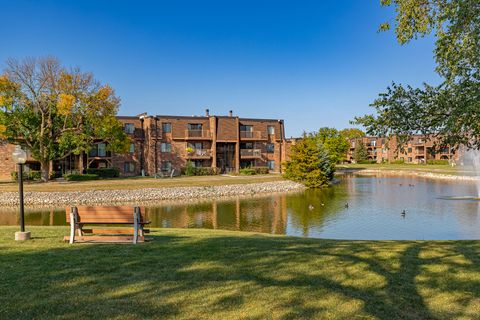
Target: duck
(310,207)
(346,205)
(403,213)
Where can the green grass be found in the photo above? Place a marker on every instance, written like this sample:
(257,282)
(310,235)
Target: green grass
(139,183)
(415,168)
(200,274)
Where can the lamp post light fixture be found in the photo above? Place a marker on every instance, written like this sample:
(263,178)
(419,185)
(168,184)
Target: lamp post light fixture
(19,156)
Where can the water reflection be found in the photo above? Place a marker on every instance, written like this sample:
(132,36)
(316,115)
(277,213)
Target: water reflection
(374,211)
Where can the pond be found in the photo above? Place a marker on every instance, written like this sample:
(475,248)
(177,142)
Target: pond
(358,207)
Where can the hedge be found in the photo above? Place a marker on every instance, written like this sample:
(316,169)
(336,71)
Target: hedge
(105,172)
(192,171)
(81,177)
(254,170)
(31,175)
(398,162)
(438,162)
(367,162)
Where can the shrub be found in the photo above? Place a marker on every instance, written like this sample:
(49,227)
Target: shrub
(248,171)
(438,162)
(397,162)
(261,170)
(27,176)
(81,177)
(190,169)
(367,162)
(105,172)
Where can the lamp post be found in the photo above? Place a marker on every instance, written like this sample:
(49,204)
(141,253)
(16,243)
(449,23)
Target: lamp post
(19,156)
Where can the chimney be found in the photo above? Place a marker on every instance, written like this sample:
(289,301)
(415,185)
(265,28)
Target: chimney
(230,113)
(207,112)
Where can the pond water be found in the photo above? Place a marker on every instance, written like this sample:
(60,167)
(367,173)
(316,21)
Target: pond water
(374,211)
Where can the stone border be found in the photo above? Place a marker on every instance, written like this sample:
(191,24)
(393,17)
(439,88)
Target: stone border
(430,175)
(141,196)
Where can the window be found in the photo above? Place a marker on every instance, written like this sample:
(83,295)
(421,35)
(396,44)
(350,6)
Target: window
(132,148)
(271,130)
(270,147)
(246,145)
(245,128)
(101,150)
(166,166)
(129,128)
(197,163)
(129,167)
(409,150)
(195,145)
(194,127)
(166,147)
(409,159)
(166,127)
(271,164)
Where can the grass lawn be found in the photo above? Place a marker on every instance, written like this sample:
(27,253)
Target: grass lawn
(201,274)
(139,183)
(442,169)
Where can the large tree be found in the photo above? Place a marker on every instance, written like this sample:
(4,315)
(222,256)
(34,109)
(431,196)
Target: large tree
(449,111)
(55,111)
(334,143)
(310,163)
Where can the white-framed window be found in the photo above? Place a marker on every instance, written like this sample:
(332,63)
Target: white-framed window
(271,130)
(166,147)
(166,127)
(132,148)
(129,128)
(270,147)
(271,164)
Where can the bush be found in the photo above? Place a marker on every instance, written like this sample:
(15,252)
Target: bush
(27,176)
(190,170)
(398,162)
(367,162)
(248,171)
(80,177)
(105,172)
(261,170)
(438,162)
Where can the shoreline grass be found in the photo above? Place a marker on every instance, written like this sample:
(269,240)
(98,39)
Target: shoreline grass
(138,183)
(203,274)
(409,168)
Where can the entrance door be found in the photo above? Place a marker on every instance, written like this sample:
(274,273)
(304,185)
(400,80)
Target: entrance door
(226,157)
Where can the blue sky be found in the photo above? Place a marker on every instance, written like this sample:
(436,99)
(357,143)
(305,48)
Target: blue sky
(312,63)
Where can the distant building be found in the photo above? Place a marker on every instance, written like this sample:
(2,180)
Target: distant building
(417,150)
(164,144)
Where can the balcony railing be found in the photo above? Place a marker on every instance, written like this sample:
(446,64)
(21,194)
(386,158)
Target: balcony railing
(250,153)
(199,154)
(198,134)
(255,135)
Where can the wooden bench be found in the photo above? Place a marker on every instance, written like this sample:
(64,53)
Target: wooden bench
(77,217)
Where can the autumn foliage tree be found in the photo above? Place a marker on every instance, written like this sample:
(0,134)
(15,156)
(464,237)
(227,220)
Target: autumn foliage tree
(55,111)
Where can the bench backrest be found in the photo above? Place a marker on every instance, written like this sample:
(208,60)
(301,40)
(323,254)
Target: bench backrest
(106,214)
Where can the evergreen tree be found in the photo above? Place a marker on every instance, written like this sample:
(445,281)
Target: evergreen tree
(360,154)
(310,163)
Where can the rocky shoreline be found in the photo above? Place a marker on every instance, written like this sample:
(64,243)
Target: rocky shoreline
(138,196)
(420,174)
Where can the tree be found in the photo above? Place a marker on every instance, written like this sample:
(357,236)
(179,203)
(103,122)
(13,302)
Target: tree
(450,111)
(334,143)
(309,163)
(352,133)
(360,153)
(56,112)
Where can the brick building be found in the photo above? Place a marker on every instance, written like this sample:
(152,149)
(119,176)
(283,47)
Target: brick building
(164,144)
(418,149)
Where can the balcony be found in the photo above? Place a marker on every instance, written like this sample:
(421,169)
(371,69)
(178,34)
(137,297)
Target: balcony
(198,134)
(250,153)
(199,154)
(155,133)
(251,135)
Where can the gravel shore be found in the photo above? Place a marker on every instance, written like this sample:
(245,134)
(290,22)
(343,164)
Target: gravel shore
(430,175)
(104,197)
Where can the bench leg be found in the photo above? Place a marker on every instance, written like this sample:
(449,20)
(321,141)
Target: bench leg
(135,225)
(72,227)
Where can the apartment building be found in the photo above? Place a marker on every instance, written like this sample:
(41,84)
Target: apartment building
(417,150)
(164,144)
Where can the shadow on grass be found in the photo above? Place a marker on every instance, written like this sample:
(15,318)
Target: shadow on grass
(200,274)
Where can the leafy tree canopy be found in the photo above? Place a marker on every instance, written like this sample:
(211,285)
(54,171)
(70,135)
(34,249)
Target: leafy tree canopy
(55,111)
(335,144)
(352,133)
(451,110)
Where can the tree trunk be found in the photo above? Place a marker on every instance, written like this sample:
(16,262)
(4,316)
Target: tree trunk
(45,169)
